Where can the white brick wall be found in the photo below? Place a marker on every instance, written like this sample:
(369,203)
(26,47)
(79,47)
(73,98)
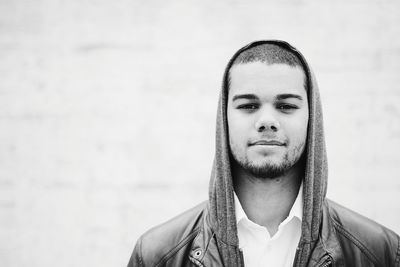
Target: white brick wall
(107,112)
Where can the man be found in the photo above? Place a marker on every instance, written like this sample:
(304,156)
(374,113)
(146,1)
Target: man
(267,204)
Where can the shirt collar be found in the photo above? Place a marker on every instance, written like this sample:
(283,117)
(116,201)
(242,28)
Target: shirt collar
(297,208)
(295,211)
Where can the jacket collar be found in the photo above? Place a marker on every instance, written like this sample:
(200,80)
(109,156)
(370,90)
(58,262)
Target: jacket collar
(205,247)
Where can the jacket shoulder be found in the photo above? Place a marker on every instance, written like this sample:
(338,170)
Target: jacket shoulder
(378,243)
(161,242)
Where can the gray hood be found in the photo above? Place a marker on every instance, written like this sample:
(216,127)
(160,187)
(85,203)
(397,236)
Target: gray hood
(221,198)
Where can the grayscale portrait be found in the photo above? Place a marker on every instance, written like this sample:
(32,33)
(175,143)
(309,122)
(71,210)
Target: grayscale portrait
(185,133)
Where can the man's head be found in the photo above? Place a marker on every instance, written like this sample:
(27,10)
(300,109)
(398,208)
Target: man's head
(267,110)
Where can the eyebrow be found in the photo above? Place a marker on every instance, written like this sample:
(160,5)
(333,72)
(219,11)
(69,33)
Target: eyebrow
(244,96)
(286,96)
(254,97)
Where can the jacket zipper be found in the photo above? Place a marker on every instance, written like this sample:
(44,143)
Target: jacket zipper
(196,262)
(327,263)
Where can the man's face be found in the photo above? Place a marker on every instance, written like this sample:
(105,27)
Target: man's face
(267,117)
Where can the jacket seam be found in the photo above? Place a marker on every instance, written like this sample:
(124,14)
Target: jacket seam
(175,249)
(320,237)
(397,260)
(355,241)
(209,241)
(195,261)
(329,252)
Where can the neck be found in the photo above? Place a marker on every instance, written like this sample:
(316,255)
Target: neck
(267,201)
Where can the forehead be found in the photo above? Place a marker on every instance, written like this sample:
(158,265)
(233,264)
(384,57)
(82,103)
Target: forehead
(261,78)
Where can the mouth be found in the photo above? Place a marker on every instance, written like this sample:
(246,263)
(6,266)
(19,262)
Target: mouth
(267,143)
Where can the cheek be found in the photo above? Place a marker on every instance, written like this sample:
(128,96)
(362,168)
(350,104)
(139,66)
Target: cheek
(232,122)
(301,129)
(236,130)
(235,134)
(296,128)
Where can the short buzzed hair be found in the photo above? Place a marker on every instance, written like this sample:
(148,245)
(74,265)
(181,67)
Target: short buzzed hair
(269,54)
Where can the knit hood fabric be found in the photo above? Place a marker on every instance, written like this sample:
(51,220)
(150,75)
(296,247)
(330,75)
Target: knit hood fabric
(221,196)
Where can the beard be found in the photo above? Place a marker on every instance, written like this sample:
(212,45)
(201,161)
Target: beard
(269,169)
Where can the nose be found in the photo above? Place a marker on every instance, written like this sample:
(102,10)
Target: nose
(267,122)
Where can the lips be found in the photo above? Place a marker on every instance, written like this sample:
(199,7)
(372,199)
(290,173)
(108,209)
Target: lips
(267,143)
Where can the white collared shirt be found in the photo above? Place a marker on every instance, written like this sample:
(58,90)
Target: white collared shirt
(259,248)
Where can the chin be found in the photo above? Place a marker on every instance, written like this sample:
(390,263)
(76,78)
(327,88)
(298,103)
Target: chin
(271,166)
(266,171)
(266,161)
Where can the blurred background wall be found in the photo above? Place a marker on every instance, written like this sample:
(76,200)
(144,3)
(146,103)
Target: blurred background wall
(107,113)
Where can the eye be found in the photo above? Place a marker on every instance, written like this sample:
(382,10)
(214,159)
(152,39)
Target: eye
(250,106)
(286,107)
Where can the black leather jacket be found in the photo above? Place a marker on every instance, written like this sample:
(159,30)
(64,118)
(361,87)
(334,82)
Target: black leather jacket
(346,239)
(331,235)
